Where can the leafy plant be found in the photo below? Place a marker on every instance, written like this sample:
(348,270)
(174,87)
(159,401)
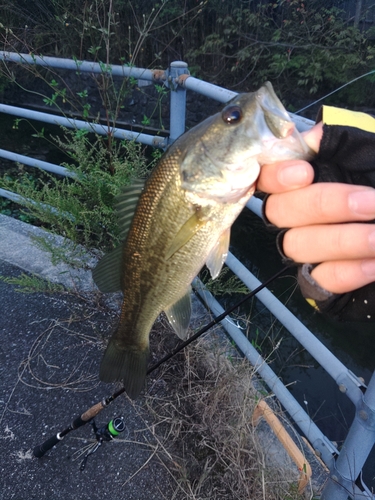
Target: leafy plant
(82,209)
(295,44)
(32,284)
(224,284)
(308,47)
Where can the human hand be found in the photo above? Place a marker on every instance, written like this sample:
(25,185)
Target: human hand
(345,253)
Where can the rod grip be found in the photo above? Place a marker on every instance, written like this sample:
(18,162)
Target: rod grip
(40,450)
(88,415)
(92,412)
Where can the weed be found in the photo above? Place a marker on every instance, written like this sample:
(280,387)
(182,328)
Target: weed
(226,283)
(32,284)
(82,209)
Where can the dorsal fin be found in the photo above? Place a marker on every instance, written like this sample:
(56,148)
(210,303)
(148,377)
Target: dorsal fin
(127,202)
(107,274)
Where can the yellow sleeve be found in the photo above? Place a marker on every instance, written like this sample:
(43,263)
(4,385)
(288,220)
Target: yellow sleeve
(347,118)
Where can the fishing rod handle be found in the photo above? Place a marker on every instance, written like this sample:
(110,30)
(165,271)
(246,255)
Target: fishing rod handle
(88,415)
(40,450)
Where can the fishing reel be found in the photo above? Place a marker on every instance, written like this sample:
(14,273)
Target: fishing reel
(106,433)
(109,431)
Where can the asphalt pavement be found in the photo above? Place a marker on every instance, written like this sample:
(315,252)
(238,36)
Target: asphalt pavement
(50,350)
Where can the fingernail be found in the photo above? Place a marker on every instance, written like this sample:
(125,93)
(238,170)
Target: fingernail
(368,267)
(294,175)
(362,202)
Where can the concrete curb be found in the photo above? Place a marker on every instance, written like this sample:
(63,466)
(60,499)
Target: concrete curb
(17,247)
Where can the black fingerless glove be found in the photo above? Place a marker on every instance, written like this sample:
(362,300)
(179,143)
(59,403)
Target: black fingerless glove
(346,154)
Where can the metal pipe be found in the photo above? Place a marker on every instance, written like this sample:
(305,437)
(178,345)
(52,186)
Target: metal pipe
(31,162)
(318,440)
(208,89)
(255,205)
(84,66)
(355,450)
(82,125)
(348,382)
(11,196)
(21,200)
(177,112)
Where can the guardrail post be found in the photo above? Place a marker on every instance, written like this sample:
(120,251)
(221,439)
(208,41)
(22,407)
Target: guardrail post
(178,99)
(355,450)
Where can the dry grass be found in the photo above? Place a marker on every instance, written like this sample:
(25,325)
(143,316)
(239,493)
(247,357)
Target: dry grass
(203,423)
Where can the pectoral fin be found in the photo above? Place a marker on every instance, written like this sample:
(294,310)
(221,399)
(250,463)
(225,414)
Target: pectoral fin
(218,254)
(179,315)
(107,273)
(186,232)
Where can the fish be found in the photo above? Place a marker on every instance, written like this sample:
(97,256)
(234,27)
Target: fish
(179,220)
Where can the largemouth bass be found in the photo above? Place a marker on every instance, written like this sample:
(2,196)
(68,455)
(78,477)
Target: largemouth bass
(182,219)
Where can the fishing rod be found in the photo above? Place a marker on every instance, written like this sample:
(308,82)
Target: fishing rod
(89,414)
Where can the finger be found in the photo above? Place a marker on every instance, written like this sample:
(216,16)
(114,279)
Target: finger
(344,276)
(314,136)
(292,174)
(321,203)
(314,244)
(285,175)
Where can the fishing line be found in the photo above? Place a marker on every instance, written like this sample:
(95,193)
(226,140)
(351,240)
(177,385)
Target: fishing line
(334,91)
(89,414)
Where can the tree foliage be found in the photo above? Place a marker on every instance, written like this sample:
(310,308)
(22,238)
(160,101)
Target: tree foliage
(303,47)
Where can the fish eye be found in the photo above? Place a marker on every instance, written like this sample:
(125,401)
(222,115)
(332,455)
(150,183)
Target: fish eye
(231,114)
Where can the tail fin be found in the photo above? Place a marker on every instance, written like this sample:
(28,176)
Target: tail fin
(128,366)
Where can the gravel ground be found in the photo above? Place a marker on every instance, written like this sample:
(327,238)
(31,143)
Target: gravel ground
(50,349)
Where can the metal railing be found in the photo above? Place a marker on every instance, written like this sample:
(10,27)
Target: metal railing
(346,464)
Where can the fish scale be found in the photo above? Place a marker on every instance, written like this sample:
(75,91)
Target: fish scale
(182,220)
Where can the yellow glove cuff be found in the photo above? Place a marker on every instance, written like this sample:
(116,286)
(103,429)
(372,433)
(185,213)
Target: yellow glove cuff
(347,118)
